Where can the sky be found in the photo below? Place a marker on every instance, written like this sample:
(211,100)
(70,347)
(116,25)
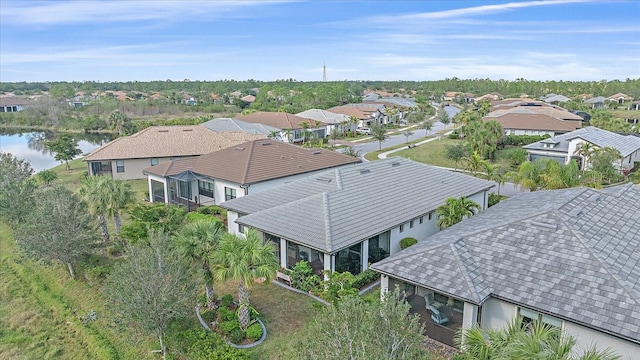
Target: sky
(131,40)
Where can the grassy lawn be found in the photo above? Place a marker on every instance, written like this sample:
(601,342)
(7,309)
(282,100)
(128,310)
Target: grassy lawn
(432,153)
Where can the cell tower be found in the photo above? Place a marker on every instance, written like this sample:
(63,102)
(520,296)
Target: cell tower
(324,72)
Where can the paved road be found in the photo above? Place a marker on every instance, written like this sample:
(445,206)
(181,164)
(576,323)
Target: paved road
(394,140)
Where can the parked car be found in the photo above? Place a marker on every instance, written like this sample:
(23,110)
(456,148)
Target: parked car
(365,131)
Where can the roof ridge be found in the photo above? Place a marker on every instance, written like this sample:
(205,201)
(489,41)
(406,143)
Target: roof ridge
(327,223)
(463,267)
(245,175)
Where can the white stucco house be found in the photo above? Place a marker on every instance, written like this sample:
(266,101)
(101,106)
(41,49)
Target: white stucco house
(345,218)
(237,171)
(569,258)
(126,157)
(526,119)
(339,122)
(562,148)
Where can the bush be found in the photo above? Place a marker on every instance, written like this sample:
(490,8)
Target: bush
(303,278)
(520,140)
(494,199)
(226,300)
(212,210)
(226,314)
(254,332)
(406,242)
(454,136)
(98,272)
(237,335)
(208,315)
(228,327)
(202,299)
(365,278)
(200,344)
(196,216)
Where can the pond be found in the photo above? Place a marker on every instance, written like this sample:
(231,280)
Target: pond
(29,145)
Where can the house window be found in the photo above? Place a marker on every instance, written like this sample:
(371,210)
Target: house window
(154,161)
(205,188)
(120,166)
(402,228)
(529,316)
(241,228)
(411,224)
(229,193)
(430,216)
(185,189)
(421,219)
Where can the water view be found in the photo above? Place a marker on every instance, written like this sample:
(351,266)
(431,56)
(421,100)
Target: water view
(29,145)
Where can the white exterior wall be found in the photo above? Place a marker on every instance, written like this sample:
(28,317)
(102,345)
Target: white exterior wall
(529,132)
(497,314)
(132,168)
(586,337)
(231,222)
(218,190)
(160,180)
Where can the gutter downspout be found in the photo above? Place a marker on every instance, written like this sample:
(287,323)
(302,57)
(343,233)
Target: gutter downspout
(245,188)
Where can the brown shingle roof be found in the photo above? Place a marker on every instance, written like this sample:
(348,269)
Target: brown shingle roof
(278,120)
(255,161)
(535,118)
(169,141)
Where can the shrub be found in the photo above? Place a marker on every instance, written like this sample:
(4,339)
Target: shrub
(196,216)
(228,327)
(237,335)
(202,299)
(494,199)
(98,272)
(454,136)
(200,344)
(254,332)
(226,314)
(303,278)
(212,210)
(208,315)
(365,278)
(226,300)
(406,242)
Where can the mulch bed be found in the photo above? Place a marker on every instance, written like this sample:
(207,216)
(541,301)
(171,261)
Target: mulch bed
(440,349)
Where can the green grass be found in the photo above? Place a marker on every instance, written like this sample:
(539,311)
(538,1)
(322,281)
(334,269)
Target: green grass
(432,153)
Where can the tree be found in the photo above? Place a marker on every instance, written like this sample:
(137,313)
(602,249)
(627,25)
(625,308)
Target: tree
(527,176)
(444,118)
(379,133)
(426,125)
(64,147)
(494,173)
(47,177)
(349,150)
(604,161)
(357,329)
(535,340)
(455,153)
(407,133)
(119,195)
(455,210)
(94,191)
(16,188)
(62,91)
(474,162)
(58,228)
(245,260)
(145,217)
(151,288)
(585,151)
(120,122)
(197,242)
(604,119)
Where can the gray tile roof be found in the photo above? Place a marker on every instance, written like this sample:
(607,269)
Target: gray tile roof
(595,100)
(230,125)
(338,208)
(626,144)
(572,253)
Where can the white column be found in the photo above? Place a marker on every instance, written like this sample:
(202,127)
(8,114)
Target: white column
(327,262)
(384,285)
(165,183)
(469,316)
(364,253)
(150,189)
(283,253)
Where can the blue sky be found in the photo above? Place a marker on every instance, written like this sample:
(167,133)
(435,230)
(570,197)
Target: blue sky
(357,40)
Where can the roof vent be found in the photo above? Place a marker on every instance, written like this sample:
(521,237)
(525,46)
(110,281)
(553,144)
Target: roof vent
(316,152)
(239,148)
(266,143)
(163,130)
(395,163)
(187,129)
(364,171)
(324,179)
(544,226)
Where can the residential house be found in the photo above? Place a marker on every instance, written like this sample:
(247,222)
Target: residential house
(237,171)
(234,125)
(332,121)
(513,102)
(366,114)
(596,102)
(620,98)
(402,104)
(345,218)
(450,96)
(249,99)
(126,157)
(569,258)
(494,96)
(634,105)
(535,120)
(290,126)
(555,99)
(13,103)
(563,148)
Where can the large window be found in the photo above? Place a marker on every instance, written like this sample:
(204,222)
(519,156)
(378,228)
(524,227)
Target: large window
(229,193)
(378,247)
(297,253)
(350,259)
(276,241)
(529,316)
(120,166)
(154,161)
(185,189)
(205,188)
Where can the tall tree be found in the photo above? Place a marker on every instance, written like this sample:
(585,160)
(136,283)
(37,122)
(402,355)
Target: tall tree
(198,242)
(119,195)
(151,288)
(58,229)
(65,148)
(379,133)
(455,210)
(456,153)
(444,118)
(94,190)
(494,173)
(16,188)
(607,161)
(407,133)
(358,330)
(474,162)
(426,125)
(245,260)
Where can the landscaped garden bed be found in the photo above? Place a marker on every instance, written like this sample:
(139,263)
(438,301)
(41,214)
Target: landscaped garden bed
(225,322)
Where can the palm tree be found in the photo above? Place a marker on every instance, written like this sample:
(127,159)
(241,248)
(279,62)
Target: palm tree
(94,191)
(245,260)
(273,134)
(585,150)
(287,133)
(527,176)
(198,242)
(494,173)
(474,162)
(455,210)
(305,131)
(535,340)
(119,196)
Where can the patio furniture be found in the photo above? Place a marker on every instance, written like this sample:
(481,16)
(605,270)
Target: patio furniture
(438,317)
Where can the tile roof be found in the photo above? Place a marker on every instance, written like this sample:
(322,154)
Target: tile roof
(535,118)
(572,253)
(169,141)
(255,161)
(13,100)
(626,144)
(325,116)
(278,120)
(230,125)
(595,100)
(335,209)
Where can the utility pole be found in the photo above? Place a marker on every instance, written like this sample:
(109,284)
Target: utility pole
(324,71)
